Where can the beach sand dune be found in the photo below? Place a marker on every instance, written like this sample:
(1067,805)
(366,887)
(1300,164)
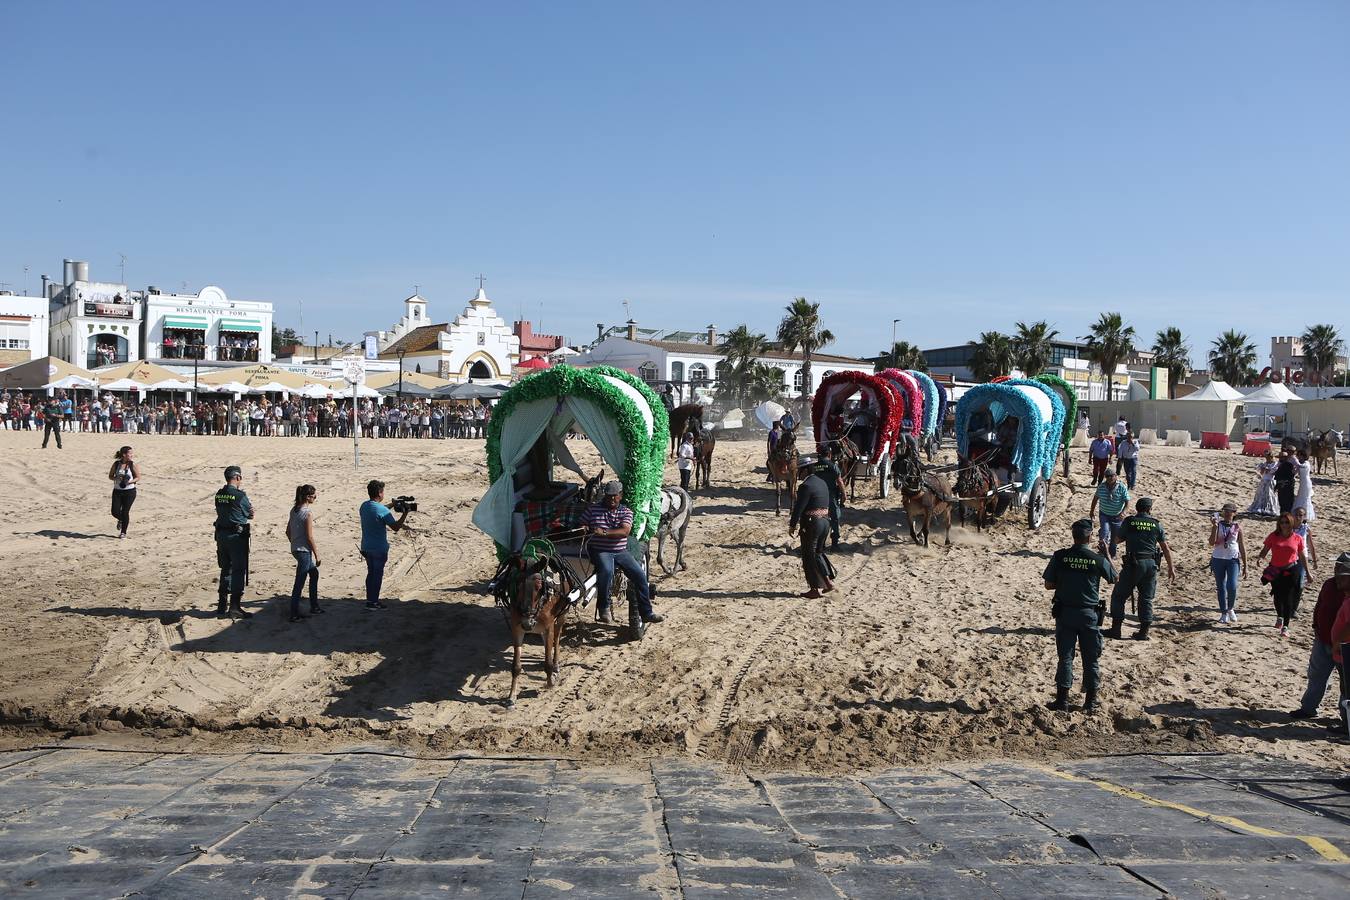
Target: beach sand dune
(924,654)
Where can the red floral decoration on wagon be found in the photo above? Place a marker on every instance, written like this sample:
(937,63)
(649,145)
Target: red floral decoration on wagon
(883,396)
(913,395)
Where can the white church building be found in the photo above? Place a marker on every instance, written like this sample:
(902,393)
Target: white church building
(478,344)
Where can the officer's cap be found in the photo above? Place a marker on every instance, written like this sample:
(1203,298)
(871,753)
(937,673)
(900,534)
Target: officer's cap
(1082,529)
(232,472)
(1144,504)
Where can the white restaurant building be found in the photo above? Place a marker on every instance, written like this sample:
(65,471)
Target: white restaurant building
(207,325)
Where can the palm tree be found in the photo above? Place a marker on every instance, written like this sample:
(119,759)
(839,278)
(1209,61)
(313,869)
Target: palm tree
(801,328)
(902,355)
(1031,347)
(993,356)
(1322,347)
(1232,357)
(1172,353)
(1109,342)
(764,382)
(742,348)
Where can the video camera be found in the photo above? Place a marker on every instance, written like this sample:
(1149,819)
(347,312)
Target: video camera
(405,504)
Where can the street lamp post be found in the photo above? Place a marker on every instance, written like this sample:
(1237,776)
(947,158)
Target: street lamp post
(401,353)
(895,356)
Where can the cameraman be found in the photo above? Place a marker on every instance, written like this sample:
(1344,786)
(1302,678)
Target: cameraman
(375,518)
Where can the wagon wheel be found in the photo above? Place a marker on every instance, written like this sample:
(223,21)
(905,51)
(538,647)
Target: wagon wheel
(1036,503)
(883,470)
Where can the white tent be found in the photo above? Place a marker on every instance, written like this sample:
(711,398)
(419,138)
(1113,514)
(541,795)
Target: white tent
(1215,390)
(563,353)
(171,384)
(318,391)
(1270,394)
(273,386)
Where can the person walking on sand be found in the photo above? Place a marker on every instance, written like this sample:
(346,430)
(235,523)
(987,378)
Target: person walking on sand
(1073,574)
(1322,660)
(1101,451)
(1227,560)
(124,475)
(1108,504)
(1145,541)
(1286,552)
(300,532)
(1266,503)
(812,513)
(1303,477)
(685,459)
(1127,456)
(1286,479)
(51,422)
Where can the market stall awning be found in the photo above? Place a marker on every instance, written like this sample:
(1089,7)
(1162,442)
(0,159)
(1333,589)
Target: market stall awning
(190,323)
(252,325)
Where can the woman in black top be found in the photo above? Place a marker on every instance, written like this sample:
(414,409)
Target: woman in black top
(124,475)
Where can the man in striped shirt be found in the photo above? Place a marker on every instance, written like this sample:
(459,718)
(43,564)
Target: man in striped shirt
(608,524)
(1109,502)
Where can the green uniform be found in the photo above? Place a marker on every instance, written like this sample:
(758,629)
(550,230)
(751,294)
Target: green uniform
(232,532)
(1077,609)
(1142,534)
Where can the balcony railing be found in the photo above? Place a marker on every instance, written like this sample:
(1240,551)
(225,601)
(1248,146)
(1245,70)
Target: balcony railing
(236,354)
(96,360)
(185,351)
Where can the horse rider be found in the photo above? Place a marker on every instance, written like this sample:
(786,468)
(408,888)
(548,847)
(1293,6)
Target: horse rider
(1073,574)
(233,512)
(775,435)
(812,513)
(828,469)
(1144,541)
(608,524)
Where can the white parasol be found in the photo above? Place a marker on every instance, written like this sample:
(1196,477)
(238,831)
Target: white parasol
(769,412)
(123,384)
(171,384)
(72,381)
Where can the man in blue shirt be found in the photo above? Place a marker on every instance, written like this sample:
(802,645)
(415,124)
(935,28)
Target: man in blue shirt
(375,518)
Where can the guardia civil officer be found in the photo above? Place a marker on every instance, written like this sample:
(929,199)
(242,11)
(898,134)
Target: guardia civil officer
(1144,541)
(1073,574)
(233,512)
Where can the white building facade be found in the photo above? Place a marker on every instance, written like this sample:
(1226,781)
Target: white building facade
(95,323)
(478,344)
(24,328)
(691,365)
(207,325)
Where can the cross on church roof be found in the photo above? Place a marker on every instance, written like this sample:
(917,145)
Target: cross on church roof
(481,278)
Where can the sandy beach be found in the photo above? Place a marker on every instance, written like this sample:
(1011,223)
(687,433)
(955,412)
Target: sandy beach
(925,654)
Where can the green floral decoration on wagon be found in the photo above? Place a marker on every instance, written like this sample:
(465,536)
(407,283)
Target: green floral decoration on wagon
(645,457)
(1070,398)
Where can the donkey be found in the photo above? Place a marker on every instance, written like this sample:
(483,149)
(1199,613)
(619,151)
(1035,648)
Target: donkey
(537,598)
(926,496)
(703,454)
(783,467)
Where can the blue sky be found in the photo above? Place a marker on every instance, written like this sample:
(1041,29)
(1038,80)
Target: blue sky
(959,165)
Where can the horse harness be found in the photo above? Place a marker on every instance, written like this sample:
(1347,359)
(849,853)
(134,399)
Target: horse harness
(538,559)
